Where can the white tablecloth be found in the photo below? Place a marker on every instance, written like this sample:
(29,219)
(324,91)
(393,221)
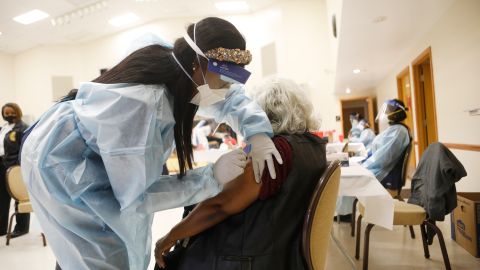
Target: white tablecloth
(337,147)
(355,181)
(361,183)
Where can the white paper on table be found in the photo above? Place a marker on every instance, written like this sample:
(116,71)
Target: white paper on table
(354,161)
(378,210)
(335,147)
(359,182)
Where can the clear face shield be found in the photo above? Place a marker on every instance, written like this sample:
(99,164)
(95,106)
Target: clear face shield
(389,108)
(228,71)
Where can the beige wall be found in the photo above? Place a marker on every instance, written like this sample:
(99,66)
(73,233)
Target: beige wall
(7,93)
(455,47)
(298,29)
(33,71)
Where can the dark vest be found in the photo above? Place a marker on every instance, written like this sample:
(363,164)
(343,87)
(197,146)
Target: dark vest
(267,235)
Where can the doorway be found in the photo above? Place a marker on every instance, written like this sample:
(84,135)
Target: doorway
(364,106)
(425,110)
(405,95)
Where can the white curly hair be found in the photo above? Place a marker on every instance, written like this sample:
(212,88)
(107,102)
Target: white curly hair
(286,105)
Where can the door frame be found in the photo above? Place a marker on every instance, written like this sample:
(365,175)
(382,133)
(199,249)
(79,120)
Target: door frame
(371,110)
(419,111)
(413,151)
(400,75)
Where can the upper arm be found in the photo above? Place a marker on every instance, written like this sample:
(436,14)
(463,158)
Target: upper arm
(240,193)
(243,191)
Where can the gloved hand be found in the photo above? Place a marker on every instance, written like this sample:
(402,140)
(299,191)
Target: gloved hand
(262,151)
(229,166)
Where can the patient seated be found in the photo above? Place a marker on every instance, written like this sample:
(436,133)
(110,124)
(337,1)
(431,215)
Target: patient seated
(250,225)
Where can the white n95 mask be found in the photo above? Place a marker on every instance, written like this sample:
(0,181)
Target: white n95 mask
(207,96)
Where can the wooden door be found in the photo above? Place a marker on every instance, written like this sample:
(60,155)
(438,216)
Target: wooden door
(405,95)
(425,111)
(365,106)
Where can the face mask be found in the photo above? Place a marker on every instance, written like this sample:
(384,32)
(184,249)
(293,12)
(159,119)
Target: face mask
(383,121)
(10,119)
(207,96)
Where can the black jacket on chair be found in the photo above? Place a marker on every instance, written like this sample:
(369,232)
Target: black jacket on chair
(11,144)
(433,185)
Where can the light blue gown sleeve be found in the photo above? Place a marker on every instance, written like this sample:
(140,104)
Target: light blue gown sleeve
(366,137)
(168,191)
(386,149)
(131,128)
(240,112)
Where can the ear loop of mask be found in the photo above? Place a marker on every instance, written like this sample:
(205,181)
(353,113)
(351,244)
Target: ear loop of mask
(184,71)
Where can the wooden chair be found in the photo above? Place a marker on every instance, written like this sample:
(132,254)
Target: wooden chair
(395,193)
(408,215)
(18,191)
(319,218)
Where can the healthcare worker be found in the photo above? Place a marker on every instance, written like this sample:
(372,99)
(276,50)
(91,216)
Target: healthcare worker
(390,144)
(366,136)
(386,150)
(354,131)
(93,162)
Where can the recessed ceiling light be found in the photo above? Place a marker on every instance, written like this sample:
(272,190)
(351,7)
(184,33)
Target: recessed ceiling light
(31,17)
(79,13)
(232,6)
(123,19)
(348,91)
(356,71)
(0,33)
(380,19)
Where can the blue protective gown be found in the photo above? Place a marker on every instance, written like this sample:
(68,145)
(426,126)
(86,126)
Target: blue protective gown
(366,137)
(93,167)
(386,149)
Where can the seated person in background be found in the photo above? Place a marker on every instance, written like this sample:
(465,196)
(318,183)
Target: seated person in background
(258,226)
(354,131)
(366,136)
(228,143)
(199,135)
(388,148)
(10,138)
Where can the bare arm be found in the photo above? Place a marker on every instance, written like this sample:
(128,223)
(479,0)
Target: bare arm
(235,197)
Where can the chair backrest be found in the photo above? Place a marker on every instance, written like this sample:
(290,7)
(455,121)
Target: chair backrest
(397,177)
(319,218)
(15,185)
(406,161)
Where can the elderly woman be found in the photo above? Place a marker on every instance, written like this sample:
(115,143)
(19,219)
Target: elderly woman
(254,226)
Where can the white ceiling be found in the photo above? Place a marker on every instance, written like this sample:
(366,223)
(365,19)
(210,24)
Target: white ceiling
(16,37)
(375,48)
